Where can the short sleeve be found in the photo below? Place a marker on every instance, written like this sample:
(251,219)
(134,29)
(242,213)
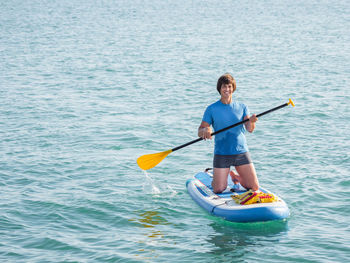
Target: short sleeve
(207,116)
(246,111)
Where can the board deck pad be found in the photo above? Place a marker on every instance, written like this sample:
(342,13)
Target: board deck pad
(206,179)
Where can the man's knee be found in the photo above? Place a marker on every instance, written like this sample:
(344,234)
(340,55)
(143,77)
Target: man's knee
(218,188)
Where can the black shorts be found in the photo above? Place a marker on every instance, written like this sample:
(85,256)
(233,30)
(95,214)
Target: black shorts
(226,161)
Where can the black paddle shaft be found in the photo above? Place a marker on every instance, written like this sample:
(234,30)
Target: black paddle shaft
(230,127)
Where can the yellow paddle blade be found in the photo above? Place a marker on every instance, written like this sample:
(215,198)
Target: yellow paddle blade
(291,102)
(149,161)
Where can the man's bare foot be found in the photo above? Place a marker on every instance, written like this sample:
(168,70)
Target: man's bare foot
(234,176)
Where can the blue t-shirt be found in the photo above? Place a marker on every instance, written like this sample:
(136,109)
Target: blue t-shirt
(220,116)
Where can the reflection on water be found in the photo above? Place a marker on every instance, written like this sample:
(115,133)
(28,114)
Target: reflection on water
(237,238)
(149,220)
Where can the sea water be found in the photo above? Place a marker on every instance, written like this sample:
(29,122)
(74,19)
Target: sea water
(86,87)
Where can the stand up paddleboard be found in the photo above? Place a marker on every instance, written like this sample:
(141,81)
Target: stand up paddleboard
(224,206)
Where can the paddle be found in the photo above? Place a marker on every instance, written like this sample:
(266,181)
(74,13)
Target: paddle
(149,161)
